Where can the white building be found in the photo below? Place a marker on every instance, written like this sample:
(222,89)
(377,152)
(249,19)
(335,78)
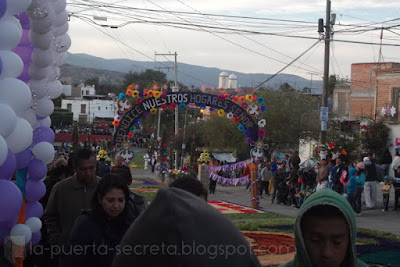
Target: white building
(227,82)
(90,106)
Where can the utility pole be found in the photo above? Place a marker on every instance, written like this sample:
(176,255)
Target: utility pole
(324,107)
(175,88)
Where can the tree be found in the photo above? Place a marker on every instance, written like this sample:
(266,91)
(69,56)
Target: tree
(145,79)
(284,87)
(375,136)
(61,117)
(331,84)
(57,101)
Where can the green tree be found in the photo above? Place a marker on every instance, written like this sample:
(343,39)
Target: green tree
(331,84)
(145,79)
(61,117)
(375,136)
(285,87)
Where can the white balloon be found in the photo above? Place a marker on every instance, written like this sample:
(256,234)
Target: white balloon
(45,122)
(63,29)
(61,19)
(60,58)
(42,41)
(10,33)
(39,88)
(39,73)
(59,6)
(55,89)
(21,137)
(3,150)
(34,223)
(17,6)
(30,116)
(8,120)
(42,58)
(62,43)
(54,74)
(20,234)
(44,151)
(15,93)
(12,65)
(44,107)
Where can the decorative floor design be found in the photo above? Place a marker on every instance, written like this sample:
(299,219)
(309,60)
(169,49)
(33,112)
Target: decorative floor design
(226,207)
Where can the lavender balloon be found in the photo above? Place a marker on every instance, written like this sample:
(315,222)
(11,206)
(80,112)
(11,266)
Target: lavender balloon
(34,190)
(3,7)
(43,134)
(23,158)
(33,209)
(37,170)
(9,166)
(10,200)
(1,62)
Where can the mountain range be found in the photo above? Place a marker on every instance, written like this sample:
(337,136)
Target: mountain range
(80,67)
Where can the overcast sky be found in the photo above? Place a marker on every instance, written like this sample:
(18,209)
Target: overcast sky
(248,53)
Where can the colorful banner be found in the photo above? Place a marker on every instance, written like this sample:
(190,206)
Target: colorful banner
(227,167)
(229,181)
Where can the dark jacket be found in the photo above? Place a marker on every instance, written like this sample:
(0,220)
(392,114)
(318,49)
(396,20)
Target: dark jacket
(177,221)
(102,234)
(67,199)
(337,186)
(370,170)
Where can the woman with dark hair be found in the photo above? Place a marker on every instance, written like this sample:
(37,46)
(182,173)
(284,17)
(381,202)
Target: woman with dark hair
(97,232)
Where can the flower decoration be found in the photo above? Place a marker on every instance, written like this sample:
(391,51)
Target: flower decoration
(249,140)
(145,94)
(163,94)
(116,123)
(172,105)
(241,127)
(182,105)
(133,128)
(153,110)
(211,108)
(262,123)
(247,133)
(235,99)
(139,101)
(263,108)
(242,98)
(331,145)
(255,98)
(141,94)
(135,93)
(157,94)
(204,157)
(130,134)
(150,93)
(221,97)
(128,92)
(192,105)
(202,106)
(254,90)
(155,86)
(121,96)
(249,98)
(130,87)
(226,96)
(221,112)
(344,152)
(229,115)
(137,121)
(261,133)
(236,119)
(117,118)
(145,114)
(231,96)
(244,105)
(260,100)
(164,107)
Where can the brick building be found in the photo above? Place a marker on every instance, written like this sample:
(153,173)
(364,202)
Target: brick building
(373,91)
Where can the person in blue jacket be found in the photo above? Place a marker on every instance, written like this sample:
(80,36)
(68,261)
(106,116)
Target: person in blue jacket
(360,181)
(351,187)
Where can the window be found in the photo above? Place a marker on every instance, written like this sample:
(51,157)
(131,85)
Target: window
(83,108)
(69,107)
(106,108)
(87,92)
(98,108)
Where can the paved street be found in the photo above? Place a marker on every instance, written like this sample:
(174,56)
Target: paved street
(374,219)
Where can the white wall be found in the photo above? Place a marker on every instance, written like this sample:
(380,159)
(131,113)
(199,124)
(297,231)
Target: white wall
(94,108)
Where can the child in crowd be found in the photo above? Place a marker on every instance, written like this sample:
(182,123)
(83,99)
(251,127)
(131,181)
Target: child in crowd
(298,196)
(307,192)
(386,193)
(283,192)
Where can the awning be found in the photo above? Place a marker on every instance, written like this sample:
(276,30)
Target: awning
(228,157)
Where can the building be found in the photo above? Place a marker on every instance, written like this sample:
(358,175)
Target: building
(227,82)
(88,106)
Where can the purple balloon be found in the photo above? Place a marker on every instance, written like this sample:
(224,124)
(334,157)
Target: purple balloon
(34,190)
(8,167)
(42,134)
(39,118)
(37,170)
(23,158)
(3,7)
(35,238)
(1,62)
(10,200)
(33,209)
(24,20)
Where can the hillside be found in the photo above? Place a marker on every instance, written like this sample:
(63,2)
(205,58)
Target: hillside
(82,66)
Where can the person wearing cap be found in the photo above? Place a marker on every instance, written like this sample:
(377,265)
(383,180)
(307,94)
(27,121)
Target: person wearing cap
(386,193)
(360,182)
(370,186)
